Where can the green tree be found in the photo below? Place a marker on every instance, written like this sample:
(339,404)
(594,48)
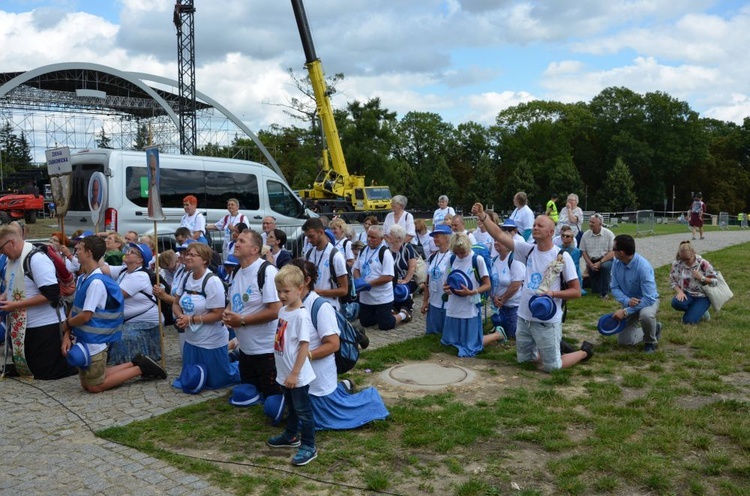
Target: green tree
(102,140)
(617,193)
(142,138)
(483,186)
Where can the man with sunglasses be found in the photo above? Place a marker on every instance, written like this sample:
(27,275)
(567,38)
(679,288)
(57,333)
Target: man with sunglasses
(634,286)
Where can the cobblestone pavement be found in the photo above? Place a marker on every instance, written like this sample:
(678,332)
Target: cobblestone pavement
(46,434)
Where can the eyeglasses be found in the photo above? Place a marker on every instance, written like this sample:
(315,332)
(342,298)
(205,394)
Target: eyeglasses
(133,252)
(186,254)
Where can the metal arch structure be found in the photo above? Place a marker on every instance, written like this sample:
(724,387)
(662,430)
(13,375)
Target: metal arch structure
(24,90)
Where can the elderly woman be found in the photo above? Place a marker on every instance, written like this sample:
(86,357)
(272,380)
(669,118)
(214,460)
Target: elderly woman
(277,255)
(198,309)
(510,275)
(438,217)
(523,215)
(140,332)
(463,319)
(194,220)
(115,245)
(572,215)
(399,216)
(404,266)
(334,406)
(433,304)
(226,224)
(422,242)
(689,276)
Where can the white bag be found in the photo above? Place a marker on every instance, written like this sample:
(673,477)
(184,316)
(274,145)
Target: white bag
(719,294)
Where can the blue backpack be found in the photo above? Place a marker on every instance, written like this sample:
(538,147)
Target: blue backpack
(480,251)
(348,352)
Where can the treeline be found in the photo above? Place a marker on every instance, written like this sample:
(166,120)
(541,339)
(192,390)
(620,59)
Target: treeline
(622,150)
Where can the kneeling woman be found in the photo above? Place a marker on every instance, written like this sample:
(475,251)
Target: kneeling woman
(334,406)
(689,275)
(198,309)
(463,319)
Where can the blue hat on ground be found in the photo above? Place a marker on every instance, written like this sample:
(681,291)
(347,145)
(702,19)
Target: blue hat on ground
(509,224)
(184,245)
(245,395)
(361,285)
(400,292)
(542,307)
(331,237)
(84,234)
(456,279)
(193,378)
(274,408)
(145,251)
(441,229)
(79,356)
(608,325)
(231,260)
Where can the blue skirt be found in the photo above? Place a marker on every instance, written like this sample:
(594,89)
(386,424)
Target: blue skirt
(464,334)
(435,320)
(341,410)
(219,371)
(137,337)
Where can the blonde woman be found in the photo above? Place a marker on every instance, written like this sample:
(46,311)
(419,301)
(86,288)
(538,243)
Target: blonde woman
(689,275)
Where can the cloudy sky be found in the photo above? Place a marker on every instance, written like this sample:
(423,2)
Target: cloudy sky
(463,59)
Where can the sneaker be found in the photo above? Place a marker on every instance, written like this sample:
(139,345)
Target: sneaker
(407,318)
(137,359)
(348,385)
(281,441)
(304,456)
(589,349)
(649,348)
(362,340)
(566,347)
(706,316)
(150,368)
(703,237)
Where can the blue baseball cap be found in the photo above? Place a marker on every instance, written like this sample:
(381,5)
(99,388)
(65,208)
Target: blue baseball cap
(441,229)
(145,252)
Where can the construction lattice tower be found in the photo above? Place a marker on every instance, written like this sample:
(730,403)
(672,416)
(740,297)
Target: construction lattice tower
(184,13)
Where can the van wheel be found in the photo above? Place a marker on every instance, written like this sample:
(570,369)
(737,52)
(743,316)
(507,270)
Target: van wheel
(4,218)
(30,216)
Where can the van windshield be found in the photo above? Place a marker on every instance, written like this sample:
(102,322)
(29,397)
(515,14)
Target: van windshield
(80,177)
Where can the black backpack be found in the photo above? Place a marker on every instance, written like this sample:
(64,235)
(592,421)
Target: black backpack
(351,296)
(349,337)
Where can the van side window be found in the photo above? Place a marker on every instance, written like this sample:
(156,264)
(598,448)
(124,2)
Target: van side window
(221,186)
(175,185)
(80,185)
(283,201)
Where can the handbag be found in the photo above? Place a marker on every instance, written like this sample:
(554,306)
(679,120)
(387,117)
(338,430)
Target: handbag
(719,294)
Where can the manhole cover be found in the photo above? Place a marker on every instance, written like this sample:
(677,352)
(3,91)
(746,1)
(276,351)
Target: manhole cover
(427,375)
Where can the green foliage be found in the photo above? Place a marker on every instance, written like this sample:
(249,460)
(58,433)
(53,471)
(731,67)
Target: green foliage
(15,151)
(617,191)
(102,140)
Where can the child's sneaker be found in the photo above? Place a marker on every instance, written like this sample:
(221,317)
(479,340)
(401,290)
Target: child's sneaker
(281,441)
(150,368)
(304,456)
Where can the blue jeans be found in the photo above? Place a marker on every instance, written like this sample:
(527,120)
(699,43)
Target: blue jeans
(599,279)
(694,308)
(300,417)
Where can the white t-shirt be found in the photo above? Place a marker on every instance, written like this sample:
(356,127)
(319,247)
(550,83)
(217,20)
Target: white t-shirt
(192,302)
(438,272)
(322,260)
(524,218)
(344,246)
(536,266)
(293,328)
(195,222)
(246,298)
(44,272)
(225,225)
(484,239)
(370,268)
(428,244)
(506,276)
(138,306)
(326,378)
(96,297)
(406,221)
(465,307)
(439,216)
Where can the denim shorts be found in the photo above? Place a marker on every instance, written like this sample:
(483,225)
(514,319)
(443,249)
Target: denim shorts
(539,339)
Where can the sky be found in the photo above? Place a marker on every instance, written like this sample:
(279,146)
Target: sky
(465,60)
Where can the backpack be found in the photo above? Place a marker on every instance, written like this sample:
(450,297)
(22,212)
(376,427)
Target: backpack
(65,279)
(166,310)
(351,296)
(349,337)
(697,207)
(261,276)
(480,251)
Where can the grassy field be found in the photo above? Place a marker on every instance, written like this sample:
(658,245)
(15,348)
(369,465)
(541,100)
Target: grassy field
(675,422)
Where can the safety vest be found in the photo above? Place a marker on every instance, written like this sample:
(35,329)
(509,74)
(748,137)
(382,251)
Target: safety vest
(106,324)
(553,206)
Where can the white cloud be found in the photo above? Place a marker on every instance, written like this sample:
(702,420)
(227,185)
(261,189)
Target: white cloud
(485,107)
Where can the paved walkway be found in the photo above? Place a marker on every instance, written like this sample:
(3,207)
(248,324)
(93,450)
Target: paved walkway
(46,433)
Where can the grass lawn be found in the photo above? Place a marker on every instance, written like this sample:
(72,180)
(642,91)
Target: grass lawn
(675,422)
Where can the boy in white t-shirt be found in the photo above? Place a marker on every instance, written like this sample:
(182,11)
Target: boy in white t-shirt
(293,369)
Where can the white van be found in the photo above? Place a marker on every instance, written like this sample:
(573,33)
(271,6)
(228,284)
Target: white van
(212,180)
